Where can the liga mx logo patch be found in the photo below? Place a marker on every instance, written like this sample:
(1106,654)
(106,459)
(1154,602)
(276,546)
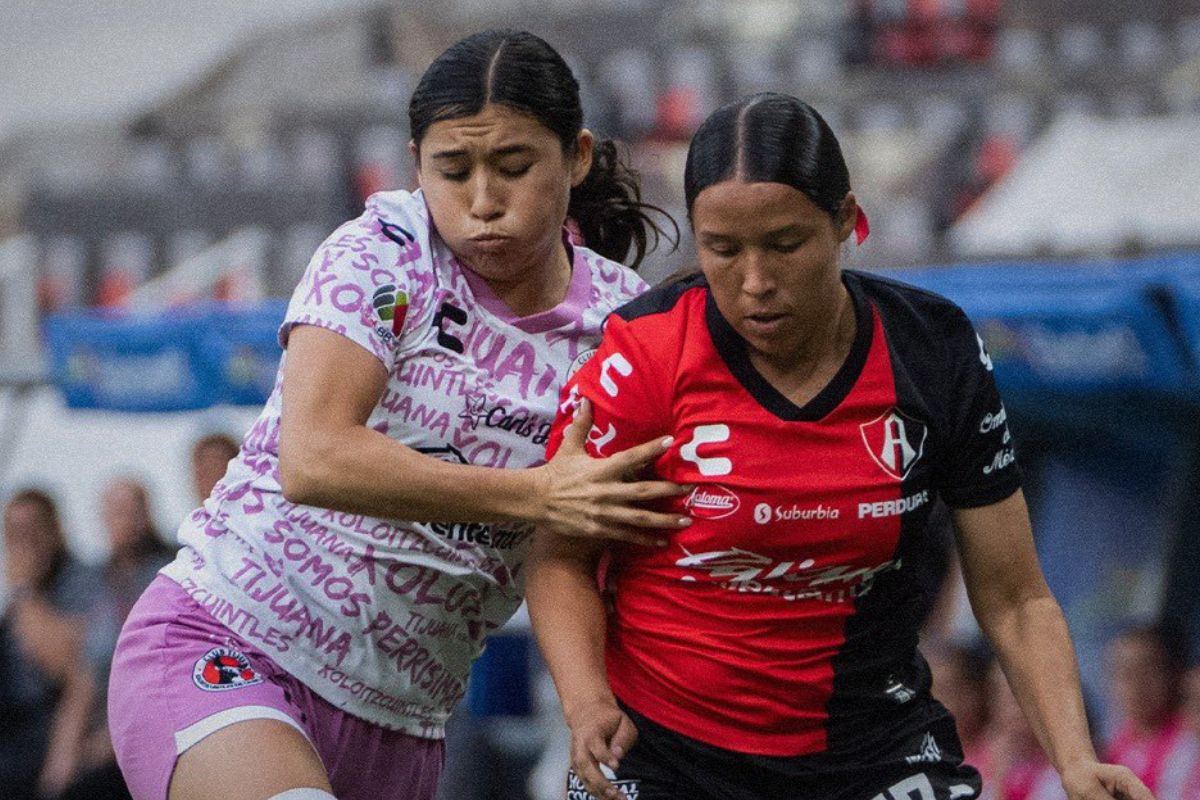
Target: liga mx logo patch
(224,668)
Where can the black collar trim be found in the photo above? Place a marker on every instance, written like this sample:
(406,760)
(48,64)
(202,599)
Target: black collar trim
(733,351)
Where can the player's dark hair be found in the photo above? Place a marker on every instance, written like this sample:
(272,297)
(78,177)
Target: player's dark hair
(769,138)
(519,70)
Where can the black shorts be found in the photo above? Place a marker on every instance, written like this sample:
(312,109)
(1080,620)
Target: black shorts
(921,760)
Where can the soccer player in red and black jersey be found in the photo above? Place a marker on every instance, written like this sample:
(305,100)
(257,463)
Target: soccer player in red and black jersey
(769,649)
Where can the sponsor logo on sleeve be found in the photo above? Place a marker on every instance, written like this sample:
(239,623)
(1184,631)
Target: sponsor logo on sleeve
(1002,460)
(993,421)
(391,306)
(984,358)
(222,669)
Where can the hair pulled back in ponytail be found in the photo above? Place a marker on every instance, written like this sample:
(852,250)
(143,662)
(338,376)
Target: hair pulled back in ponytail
(773,138)
(609,210)
(520,70)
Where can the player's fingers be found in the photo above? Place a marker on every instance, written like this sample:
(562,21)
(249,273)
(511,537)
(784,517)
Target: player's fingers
(1126,785)
(638,456)
(621,517)
(576,433)
(643,491)
(588,768)
(623,740)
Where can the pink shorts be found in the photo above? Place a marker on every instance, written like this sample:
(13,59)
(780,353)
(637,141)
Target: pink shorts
(179,675)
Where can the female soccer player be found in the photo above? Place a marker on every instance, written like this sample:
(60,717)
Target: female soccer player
(307,641)
(771,650)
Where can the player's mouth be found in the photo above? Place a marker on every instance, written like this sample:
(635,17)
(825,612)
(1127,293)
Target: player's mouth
(764,324)
(490,241)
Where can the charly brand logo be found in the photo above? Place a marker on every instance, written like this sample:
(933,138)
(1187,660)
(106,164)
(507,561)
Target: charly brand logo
(449,314)
(707,435)
(712,502)
(224,668)
(896,441)
(391,306)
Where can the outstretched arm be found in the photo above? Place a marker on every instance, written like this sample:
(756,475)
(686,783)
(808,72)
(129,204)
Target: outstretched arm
(1026,627)
(328,457)
(568,619)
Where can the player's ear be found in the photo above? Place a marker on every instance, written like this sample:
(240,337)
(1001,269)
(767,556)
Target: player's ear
(416,154)
(847,217)
(582,163)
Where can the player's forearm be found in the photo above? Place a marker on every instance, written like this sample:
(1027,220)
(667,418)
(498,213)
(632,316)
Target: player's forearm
(569,622)
(1034,647)
(365,472)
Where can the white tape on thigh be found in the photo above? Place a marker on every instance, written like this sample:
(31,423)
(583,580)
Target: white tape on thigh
(303,794)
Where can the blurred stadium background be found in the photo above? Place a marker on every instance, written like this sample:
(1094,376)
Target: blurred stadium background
(168,168)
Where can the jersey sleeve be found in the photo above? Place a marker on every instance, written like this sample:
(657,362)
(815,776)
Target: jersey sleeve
(979,466)
(628,390)
(359,284)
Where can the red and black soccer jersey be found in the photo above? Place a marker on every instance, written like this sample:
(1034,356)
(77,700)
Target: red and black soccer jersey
(783,621)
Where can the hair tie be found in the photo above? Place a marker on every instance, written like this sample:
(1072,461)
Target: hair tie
(862,228)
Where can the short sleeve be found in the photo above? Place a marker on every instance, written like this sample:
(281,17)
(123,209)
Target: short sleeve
(979,466)
(358,285)
(628,391)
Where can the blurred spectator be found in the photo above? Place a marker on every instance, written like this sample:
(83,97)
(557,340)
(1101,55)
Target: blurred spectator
(960,683)
(47,688)
(1181,780)
(210,458)
(1145,670)
(1017,767)
(136,554)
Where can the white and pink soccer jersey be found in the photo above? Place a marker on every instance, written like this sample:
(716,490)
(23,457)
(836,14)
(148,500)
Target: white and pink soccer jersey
(382,617)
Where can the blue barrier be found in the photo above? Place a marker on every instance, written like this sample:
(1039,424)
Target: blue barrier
(1079,328)
(1091,328)
(178,360)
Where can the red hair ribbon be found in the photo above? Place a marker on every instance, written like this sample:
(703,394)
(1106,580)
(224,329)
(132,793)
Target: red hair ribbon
(862,228)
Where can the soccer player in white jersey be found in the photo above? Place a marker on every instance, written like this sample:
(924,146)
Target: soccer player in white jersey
(320,620)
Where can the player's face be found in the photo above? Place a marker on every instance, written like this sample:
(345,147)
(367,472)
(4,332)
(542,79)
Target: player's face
(497,184)
(771,259)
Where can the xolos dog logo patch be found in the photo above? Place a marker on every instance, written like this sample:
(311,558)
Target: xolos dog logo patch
(224,668)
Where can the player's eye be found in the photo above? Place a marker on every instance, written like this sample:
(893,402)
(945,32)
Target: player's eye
(789,246)
(723,250)
(515,172)
(455,175)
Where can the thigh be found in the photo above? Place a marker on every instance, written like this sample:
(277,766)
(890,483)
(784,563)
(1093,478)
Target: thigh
(367,762)
(180,680)
(255,759)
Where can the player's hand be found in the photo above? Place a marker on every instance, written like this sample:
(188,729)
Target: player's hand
(1095,781)
(601,734)
(601,498)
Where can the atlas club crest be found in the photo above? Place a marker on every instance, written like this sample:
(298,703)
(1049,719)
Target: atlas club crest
(895,441)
